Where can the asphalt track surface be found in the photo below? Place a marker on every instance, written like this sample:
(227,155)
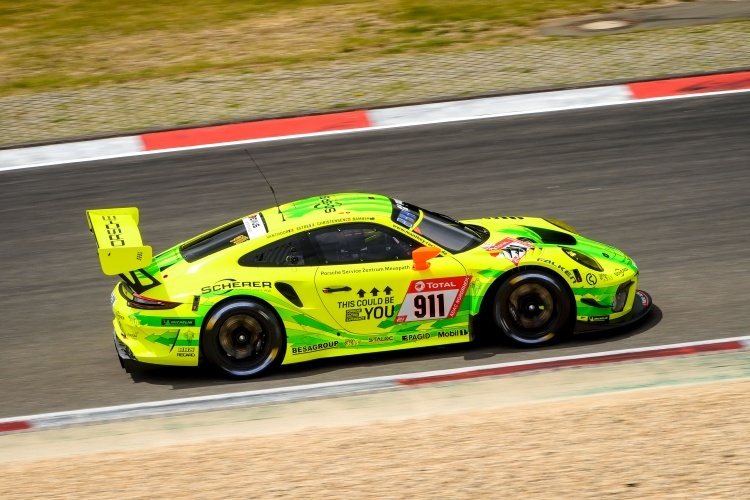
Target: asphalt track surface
(668,182)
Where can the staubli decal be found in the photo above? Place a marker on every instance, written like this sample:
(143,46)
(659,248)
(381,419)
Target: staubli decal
(432,299)
(381,339)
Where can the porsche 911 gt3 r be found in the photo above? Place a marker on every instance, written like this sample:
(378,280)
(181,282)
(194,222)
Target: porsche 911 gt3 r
(355,273)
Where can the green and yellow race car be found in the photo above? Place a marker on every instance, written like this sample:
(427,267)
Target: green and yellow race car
(355,273)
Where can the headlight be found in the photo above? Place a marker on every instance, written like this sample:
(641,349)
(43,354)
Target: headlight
(583,259)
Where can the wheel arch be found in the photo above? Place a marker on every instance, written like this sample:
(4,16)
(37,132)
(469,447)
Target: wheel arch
(485,308)
(237,298)
(211,351)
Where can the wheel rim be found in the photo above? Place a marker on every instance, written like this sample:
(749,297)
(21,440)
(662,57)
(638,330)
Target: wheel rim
(531,306)
(242,337)
(530,313)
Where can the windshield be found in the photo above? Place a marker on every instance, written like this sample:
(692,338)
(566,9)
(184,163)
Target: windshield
(442,230)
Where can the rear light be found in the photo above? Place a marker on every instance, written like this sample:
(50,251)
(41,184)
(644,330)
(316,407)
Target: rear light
(141,302)
(621,297)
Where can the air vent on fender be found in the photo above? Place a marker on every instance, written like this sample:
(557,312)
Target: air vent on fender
(552,237)
(288,292)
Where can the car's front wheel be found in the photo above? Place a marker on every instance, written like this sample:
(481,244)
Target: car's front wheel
(243,338)
(533,308)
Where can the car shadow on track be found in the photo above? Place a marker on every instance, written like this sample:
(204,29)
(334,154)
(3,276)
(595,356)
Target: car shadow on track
(323,370)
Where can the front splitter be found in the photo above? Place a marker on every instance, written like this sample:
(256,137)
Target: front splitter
(641,307)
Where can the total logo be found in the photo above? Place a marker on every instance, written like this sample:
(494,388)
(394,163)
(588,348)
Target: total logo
(438,284)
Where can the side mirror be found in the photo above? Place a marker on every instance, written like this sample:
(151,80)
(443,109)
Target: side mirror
(422,255)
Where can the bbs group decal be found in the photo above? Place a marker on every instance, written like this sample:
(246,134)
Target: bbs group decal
(431,299)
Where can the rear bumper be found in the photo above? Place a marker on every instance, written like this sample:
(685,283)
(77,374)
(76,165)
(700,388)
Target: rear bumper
(123,351)
(158,337)
(641,306)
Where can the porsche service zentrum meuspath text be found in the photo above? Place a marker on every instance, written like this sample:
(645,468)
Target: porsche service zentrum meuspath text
(352,273)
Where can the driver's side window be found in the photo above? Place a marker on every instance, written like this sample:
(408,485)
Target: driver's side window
(292,251)
(357,243)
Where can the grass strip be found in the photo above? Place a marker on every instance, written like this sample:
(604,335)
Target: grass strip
(69,44)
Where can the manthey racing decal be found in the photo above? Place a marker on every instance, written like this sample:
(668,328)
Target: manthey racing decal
(431,299)
(509,248)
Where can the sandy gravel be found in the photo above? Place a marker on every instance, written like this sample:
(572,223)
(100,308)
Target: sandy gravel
(688,442)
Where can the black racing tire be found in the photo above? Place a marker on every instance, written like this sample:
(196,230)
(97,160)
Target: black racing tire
(243,338)
(533,308)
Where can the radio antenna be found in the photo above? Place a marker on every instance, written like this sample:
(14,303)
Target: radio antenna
(269,184)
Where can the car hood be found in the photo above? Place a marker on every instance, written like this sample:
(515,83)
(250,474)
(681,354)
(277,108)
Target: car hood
(540,232)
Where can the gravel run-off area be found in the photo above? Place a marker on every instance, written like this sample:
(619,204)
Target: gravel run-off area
(686,442)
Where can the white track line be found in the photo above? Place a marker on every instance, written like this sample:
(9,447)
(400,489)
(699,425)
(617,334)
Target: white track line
(432,114)
(310,391)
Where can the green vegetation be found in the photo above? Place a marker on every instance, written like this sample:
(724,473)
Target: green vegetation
(63,44)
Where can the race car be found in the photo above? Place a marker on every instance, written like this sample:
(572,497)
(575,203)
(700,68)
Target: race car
(351,273)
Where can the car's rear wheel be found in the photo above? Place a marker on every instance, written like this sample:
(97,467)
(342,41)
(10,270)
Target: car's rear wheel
(533,308)
(243,338)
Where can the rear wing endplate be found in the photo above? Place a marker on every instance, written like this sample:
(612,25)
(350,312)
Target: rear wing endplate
(118,240)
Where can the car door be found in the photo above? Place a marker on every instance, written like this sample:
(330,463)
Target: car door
(367,281)
(290,264)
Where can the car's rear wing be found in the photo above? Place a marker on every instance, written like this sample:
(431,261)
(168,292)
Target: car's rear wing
(118,240)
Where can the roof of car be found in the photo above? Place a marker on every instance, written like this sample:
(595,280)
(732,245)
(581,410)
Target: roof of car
(328,207)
